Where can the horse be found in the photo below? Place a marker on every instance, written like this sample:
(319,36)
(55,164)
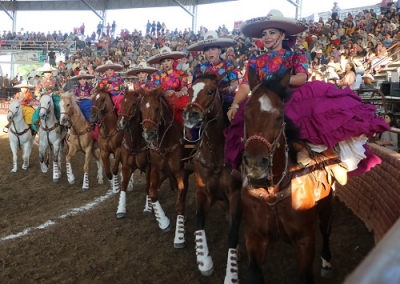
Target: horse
(134,152)
(214,180)
(104,114)
(163,136)
(50,136)
(281,200)
(19,134)
(80,138)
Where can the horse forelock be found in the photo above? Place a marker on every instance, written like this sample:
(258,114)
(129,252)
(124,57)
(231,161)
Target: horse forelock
(274,85)
(210,76)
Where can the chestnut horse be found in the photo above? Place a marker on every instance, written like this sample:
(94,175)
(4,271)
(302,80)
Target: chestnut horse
(163,136)
(213,177)
(79,138)
(104,114)
(134,151)
(280,201)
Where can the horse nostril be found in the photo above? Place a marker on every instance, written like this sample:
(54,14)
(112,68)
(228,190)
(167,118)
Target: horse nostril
(263,162)
(194,115)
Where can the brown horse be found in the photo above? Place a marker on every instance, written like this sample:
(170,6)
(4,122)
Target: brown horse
(279,199)
(134,151)
(163,136)
(104,114)
(79,138)
(213,177)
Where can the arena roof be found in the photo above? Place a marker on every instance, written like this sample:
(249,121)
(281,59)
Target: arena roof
(70,5)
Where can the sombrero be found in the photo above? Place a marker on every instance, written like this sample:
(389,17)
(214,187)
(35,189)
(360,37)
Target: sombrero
(211,39)
(142,67)
(109,65)
(274,19)
(82,75)
(46,68)
(165,52)
(24,84)
(368,76)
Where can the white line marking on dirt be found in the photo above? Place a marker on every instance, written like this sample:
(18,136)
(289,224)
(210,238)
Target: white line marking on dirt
(72,212)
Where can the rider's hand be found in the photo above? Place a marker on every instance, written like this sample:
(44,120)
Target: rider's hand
(231,113)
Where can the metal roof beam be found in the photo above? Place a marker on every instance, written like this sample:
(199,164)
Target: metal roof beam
(94,10)
(7,12)
(183,7)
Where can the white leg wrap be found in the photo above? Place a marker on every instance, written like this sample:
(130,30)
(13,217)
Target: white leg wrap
(115,184)
(148,207)
(43,168)
(179,240)
(99,173)
(25,165)
(70,175)
(163,221)
(131,183)
(85,185)
(204,261)
(122,203)
(232,269)
(56,172)
(15,167)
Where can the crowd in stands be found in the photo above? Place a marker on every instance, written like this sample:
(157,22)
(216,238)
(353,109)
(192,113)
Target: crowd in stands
(339,50)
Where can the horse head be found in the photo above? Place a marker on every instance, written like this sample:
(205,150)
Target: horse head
(15,111)
(67,108)
(264,121)
(156,112)
(46,106)
(102,105)
(129,107)
(204,100)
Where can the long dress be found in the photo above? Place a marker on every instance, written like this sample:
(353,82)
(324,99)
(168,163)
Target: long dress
(84,102)
(327,117)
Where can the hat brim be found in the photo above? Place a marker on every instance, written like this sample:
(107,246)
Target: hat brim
(116,67)
(135,71)
(42,69)
(78,77)
(24,86)
(254,27)
(218,42)
(175,55)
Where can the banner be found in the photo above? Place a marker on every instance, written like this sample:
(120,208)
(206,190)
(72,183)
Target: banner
(27,56)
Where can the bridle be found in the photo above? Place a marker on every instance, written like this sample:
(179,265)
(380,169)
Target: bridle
(128,117)
(271,151)
(15,132)
(100,117)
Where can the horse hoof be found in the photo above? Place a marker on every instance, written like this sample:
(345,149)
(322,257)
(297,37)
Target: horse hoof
(115,191)
(56,180)
(121,215)
(208,272)
(71,182)
(13,171)
(179,245)
(84,188)
(25,167)
(326,272)
(167,229)
(147,213)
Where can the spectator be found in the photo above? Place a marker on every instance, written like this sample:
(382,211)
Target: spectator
(389,139)
(388,41)
(99,29)
(349,77)
(52,58)
(113,27)
(335,10)
(367,82)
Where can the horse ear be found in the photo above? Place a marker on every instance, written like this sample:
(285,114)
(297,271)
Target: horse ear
(252,77)
(285,81)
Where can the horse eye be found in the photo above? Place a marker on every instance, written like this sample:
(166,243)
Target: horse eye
(67,105)
(210,92)
(157,110)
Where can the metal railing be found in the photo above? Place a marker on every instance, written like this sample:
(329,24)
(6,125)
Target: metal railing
(390,55)
(20,45)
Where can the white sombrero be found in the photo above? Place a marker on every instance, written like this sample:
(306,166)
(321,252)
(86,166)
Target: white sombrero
(274,19)
(109,65)
(142,67)
(165,53)
(368,76)
(82,75)
(211,39)
(24,84)
(46,68)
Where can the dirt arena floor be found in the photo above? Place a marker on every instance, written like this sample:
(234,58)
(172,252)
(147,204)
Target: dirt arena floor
(55,233)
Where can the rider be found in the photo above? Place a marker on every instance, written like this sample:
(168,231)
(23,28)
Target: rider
(327,117)
(173,81)
(112,81)
(212,46)
(25,97)
(143,72)
(82,92)
(46,85)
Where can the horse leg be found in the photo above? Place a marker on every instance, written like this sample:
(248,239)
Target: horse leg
(14,150)
(99,163)
(42,153)
(148,208)
(203,203)
(70,174)
(126,172)
(256,246)
(85,185)
(325,216)
(182,183)
(115,180)
(27,152)
(105,157)
(305,249)
(56,161)
(163,221)
(131,183)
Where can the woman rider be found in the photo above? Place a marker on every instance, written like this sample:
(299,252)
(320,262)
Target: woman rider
(143,72)
(82,92)
(212,47)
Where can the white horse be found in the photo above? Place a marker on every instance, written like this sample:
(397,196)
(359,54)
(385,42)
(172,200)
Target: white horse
(80,138)
(19,134)
(49,136)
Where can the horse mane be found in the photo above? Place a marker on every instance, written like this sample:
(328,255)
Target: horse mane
(274,84)
(206,75)
(159,93)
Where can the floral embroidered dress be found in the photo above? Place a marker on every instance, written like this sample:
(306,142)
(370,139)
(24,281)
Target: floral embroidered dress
(231,75)
(148,84)
(326,116)
(46,86)
(115,86)
(27,110)
(173,80)
(84,101)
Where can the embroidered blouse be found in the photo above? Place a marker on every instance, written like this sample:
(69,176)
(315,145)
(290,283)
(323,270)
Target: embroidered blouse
(145,85)
(82,91)
(171,80)
(222,67)
(25,98)
(115,85)
(45,86)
